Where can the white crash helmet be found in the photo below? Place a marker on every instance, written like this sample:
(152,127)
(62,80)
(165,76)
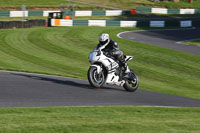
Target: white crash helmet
(104,38)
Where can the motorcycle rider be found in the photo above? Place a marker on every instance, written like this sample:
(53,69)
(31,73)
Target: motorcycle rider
(111,47)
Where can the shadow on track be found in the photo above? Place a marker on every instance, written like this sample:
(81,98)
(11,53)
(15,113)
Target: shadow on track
(66,82)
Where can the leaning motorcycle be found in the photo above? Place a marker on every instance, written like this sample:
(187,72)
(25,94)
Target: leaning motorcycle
(106,70)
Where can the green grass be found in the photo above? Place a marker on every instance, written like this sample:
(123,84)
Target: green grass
(44,5)
(137,16)
(78,18)
(118,119)
(64,51)
(195,42)
(35,3)
(122,4)
(130,4)
(182,4)
(123,17)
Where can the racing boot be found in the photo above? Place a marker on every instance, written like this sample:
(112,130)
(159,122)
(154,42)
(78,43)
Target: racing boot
(125,65)
(127,70)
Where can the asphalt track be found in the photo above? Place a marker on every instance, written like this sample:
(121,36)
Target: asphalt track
(171,39)
(34,90)
(19,89)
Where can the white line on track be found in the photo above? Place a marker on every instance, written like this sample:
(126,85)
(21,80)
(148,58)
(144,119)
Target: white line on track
(118,35)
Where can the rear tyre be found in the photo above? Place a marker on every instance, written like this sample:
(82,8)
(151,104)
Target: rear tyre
(132,85)
(96,80)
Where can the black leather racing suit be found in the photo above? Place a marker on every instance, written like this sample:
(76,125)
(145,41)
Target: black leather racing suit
(113,49)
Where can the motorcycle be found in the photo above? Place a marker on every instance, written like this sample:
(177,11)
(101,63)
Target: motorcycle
(104,69)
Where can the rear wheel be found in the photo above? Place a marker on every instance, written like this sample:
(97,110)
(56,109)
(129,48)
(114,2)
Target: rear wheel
(132,84)
(96,80)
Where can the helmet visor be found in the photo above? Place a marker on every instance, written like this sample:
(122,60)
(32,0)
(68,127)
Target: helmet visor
(103,42)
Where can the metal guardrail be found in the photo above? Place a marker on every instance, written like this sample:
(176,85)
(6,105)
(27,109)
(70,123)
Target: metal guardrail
(138,23)
(71,13)
(167,11)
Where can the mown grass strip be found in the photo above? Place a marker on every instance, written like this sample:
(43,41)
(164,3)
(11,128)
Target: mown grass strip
(116,119)
(64,51)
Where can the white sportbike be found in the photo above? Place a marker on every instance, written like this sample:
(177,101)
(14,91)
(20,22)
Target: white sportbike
(106,70)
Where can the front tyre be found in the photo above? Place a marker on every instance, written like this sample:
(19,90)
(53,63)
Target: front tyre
(132,84)
(96,80)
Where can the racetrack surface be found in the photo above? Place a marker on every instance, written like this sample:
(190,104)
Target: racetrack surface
(171,39)
(19,89)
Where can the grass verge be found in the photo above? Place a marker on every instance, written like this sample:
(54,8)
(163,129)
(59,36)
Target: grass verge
(43,5)
(194,42)
(64,51)
(116,119)
(182,4)
(131,4)
(121,4)
(122,17)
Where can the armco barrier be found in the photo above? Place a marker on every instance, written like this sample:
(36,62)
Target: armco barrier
(4,13)
(167,11)
(102,13)
(71,13)
(138,23)
(21,24)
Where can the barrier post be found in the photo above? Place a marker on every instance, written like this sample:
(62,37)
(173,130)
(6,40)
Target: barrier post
(23,7)
(133,11)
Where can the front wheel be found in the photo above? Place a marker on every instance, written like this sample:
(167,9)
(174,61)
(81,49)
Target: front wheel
(96,80)
(132,84)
